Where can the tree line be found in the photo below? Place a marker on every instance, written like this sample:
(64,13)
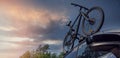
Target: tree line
(41,52)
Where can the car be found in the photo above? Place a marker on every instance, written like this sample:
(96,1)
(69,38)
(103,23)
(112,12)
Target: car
(100,45)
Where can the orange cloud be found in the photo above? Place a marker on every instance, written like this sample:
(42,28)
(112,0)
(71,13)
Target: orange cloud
(20,19)
(31,14)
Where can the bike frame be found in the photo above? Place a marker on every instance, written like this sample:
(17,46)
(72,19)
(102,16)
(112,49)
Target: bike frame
(79,18)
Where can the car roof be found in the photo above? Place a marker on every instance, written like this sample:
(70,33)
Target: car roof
(99,33)
(106,38)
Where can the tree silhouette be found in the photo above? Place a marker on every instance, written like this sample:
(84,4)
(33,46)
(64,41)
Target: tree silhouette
(41,52)
(26,55)
(42,49)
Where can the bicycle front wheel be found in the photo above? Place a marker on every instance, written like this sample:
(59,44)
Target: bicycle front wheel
(95,21)
(68,43)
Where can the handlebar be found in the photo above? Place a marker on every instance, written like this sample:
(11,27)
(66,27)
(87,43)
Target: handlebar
(79,6)
(75,4)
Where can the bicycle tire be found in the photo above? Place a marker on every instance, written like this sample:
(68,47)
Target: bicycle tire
(71,46)
(101,21)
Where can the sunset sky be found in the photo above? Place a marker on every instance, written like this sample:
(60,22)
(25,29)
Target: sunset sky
(25,24)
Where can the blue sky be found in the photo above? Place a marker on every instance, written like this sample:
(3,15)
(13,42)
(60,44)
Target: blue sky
(25,24)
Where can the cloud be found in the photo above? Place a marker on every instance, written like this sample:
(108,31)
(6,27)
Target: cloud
(8,28)
(52,42)
(15,42)
(24,27)
(28,19)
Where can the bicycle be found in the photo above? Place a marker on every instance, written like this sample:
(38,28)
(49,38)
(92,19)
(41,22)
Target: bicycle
(89,26)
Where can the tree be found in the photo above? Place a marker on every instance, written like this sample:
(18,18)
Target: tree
(26,55)
(54,55)
(61,55)
(41,52)
(45,48)
(42,49)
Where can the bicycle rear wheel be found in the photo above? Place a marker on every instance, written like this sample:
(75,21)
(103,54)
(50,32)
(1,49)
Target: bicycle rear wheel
(96,17)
